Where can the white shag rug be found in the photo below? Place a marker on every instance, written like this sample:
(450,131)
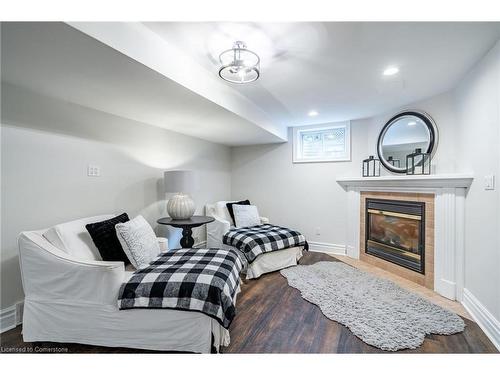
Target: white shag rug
(376,310)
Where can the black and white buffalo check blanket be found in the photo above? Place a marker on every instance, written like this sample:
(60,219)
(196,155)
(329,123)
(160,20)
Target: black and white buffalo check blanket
(204,280)
(259,239)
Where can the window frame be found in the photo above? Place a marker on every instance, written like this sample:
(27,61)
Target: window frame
(297,142)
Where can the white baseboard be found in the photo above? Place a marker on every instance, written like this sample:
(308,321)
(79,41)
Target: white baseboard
(488,323)
(8,319)
(329,248)
(19,312)
(11,317)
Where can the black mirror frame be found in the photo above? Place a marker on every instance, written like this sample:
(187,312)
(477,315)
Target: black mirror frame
(433,135)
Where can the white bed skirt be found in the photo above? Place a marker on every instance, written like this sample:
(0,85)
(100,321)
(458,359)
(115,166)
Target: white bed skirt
(105,325)
(274,261)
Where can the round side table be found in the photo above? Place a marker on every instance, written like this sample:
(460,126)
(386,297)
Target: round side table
(187,240)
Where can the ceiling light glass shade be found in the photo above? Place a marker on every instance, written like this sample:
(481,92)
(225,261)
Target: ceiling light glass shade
(239,65)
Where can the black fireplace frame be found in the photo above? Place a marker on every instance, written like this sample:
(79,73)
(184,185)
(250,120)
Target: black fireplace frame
(411,207)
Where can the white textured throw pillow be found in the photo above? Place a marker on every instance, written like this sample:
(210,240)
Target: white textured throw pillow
(138,241)
(246,215)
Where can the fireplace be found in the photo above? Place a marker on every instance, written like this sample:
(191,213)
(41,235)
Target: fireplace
(395,232)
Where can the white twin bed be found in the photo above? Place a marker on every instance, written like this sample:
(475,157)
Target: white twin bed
(265,263)
(71,297)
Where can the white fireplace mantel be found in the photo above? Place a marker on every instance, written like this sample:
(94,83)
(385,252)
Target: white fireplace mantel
(422,181)
(449,204)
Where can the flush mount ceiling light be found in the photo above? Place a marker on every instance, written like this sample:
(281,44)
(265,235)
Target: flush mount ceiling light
(312,113)
(239,64)
(391,70)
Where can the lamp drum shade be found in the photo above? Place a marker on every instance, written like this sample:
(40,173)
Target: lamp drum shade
(179,181)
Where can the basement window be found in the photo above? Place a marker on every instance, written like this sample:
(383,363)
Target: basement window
(322,143)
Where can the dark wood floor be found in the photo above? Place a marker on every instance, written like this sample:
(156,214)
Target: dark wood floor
(273,318)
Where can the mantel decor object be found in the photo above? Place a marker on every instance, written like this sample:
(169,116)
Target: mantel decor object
(181,206)
(371,167)
(395,162)
(418,163)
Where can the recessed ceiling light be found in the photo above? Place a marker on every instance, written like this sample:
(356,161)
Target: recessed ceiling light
(313,113)
(391,70)
(411,123)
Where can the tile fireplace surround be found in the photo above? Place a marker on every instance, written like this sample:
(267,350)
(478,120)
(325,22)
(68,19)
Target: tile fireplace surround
(448,195)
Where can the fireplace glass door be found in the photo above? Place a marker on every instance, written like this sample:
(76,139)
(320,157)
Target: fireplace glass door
(395,232)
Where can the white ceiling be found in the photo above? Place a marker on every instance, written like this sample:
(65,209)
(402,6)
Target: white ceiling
(165,74)
(336,68)
(56,60)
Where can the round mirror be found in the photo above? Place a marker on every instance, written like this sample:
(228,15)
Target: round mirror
(401,135)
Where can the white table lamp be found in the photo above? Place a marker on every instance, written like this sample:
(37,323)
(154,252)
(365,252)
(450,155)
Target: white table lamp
(181,205)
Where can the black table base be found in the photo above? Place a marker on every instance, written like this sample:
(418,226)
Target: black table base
(187,240)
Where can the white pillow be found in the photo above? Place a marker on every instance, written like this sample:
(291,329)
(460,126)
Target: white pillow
(74,239)
(138,241)
(246,215)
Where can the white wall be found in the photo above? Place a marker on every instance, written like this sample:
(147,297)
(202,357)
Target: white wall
(46,146)
(477,104)
(306,196)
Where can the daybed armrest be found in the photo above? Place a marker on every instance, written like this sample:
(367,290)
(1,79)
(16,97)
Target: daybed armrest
(264,220)
(50,275)
(216,230)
